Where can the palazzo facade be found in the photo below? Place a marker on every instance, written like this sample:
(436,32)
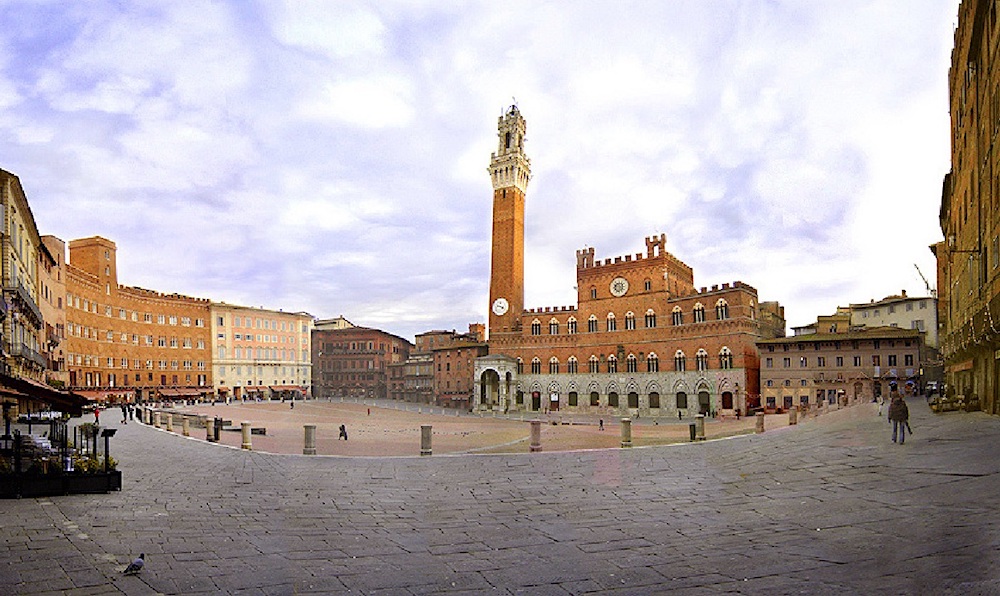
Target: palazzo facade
(641,340)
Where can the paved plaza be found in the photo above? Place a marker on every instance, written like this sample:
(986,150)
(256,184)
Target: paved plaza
(830,506)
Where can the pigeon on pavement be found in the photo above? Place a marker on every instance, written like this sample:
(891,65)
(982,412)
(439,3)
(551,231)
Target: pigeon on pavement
(136,565)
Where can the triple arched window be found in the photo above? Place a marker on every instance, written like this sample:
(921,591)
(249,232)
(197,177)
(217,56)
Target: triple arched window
(699,313)
(721,309)
(677,316)
(701,360)
(725,358)
(680,361)
(652,363)
(631,364)
(650,319)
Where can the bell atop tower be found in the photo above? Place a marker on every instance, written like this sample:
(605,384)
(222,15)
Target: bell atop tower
(509,167)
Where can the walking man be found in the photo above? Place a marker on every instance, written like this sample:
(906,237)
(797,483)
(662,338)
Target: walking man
(899,415)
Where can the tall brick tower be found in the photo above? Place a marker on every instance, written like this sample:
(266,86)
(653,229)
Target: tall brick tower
(510,171)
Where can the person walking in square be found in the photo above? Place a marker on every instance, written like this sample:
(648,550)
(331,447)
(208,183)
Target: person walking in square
(343,433)
(899,416)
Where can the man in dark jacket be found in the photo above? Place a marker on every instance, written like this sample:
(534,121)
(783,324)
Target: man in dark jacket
(899,415)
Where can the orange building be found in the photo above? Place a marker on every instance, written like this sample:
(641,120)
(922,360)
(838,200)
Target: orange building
(641,340)
(355,362)
(127,343)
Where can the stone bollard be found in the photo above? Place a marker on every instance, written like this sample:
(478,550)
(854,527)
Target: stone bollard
(310,440)
(170,422)
(245,426)
(186,426)
(626,433)
(425,439)
(210,430)
(536,436)
(156,419)
(699,426)
(793,416)
(760,423)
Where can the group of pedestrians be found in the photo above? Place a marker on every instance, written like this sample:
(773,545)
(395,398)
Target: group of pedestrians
(128,412)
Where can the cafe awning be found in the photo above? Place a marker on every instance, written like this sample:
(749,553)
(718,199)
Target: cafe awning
(61,401)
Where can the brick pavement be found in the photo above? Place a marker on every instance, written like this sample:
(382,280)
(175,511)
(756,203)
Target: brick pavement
(827,507)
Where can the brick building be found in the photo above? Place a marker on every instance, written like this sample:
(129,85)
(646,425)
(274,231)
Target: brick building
(968,260)
(354,361)
(848,366)
(642,339)
(127,343)
(260,353)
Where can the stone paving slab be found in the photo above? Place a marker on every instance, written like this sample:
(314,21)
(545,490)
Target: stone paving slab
(829,506)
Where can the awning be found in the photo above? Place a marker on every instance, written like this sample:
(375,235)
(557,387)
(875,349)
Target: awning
(61,401)
(179,392)
(286,388)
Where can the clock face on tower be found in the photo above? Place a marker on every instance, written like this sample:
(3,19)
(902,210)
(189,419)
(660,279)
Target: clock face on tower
(500,307)
(619,286)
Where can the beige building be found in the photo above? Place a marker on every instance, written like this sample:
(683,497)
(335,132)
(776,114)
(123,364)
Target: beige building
(824,368)
(52,301)
(26,270)
(902,311)
(23,327)
(259,353)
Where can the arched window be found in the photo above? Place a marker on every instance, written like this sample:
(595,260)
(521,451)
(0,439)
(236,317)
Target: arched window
(593,364)
(571,326)
(701,360)
(677,316)
(553,327)
(654,399)
(571,365)
(725,358)
(612,324)
(721,309)
(680,361)
(632,399)
(650,319)
(682,400)
(652,363)
(593,293)
(536,366)
(536,327)
(629,321)
(592,324)
(553,366)
(647,285)
(631,364)
(520,366)
(699,313)
(612,364)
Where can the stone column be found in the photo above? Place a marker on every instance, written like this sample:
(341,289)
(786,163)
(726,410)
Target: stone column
(170,422)
(760,422)
(536,436)
(245,426)
(626,432)
(310,440)
(186,426)
(699,427)
(156,419)
(793,416)
(425,439)
(210,429)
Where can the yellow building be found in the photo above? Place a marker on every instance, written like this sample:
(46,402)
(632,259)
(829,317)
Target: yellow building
(261,353)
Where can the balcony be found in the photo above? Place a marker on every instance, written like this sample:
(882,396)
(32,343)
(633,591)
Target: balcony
(19,297)
(19,350)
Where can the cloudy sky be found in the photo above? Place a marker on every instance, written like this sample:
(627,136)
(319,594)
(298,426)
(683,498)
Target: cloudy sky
(331,157)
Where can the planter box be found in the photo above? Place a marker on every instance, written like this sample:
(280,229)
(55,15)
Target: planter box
(48,485)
